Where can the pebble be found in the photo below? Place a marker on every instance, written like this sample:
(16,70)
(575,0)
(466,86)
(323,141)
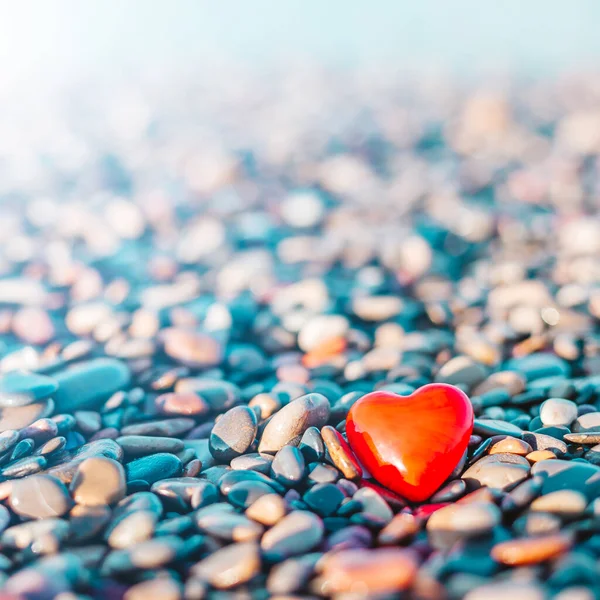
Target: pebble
(88,385)
(500,590)
(538,455)
(558,411)
(561,474)
(288,467)
(496,474)
(24,467)
(529,551)
(192,348)
(311,445)
(587,422)
(230,566)
(87,522)
(245,493)
(589,437)
(490,427)
(39,497)
(292,575)
(153,468)
(233,434)
(135,446)
(320,329)
(23,535)
(19,388)
(182,403)
(456,522)
(540,441)
(163,428)
(399,530)
(561,502)
(511,445)
(159,588)
(228,526)
(373,572)
(340,453)
(18,417)
(287,426)
(177,493)
(462,370)
(268,509)
(450,491)
(98,481)
(324,498)
(295,534)
(8,439)
(253,462)
(132,528)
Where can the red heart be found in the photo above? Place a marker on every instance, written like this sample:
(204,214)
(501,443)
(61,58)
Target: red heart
(411,444)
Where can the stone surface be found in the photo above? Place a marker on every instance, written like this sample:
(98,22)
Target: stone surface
(287,426)
(98,481)
(88,385)
(39,497)
(233,434)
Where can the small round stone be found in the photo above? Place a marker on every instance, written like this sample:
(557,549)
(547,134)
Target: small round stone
(558,411)
(153,468)
(39,497)
(324,498)
(159,588)
(374,572)
(320,329)
(502,590)
(340,453)
(288,467)
(230,566)
(490,427)
(19,388)
(233,433)
(456,522)
(530,551)
(562,502)
(587,422)
(98,481)
(511,445)
(497,473)
(267,510)
(295,534)
(287,425)
(18,417)
(89,384)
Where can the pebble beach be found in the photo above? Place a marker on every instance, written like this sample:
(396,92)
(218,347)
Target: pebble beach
(197,282)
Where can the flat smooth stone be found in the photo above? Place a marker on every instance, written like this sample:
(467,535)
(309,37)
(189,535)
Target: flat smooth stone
(18,417)
(289,423)
(98,481)
(233,433)
(19,388)
(590,437)
(490,427)
(571,475)
(88,385)
(153,468)
(39,497)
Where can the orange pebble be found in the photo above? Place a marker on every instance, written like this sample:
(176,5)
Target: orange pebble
(324,352)
(538,455)
(530,551)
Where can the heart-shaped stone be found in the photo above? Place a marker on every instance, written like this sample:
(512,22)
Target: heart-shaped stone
(411,444)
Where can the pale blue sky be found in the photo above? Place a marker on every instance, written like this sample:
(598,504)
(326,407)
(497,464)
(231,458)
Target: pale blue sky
(66,36)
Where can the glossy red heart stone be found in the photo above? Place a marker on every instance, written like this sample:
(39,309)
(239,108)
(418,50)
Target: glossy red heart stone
(411,444)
